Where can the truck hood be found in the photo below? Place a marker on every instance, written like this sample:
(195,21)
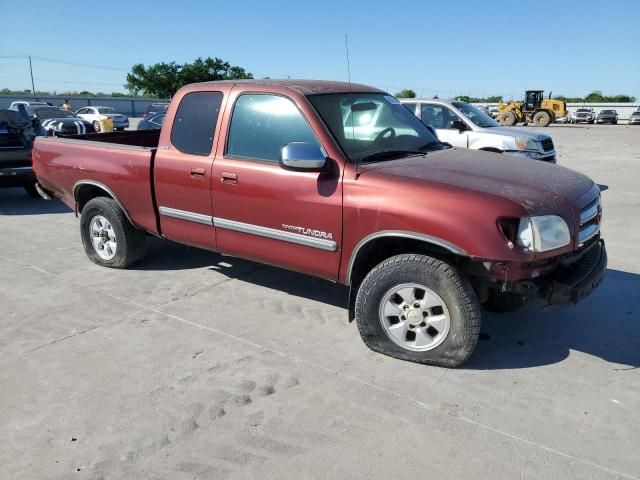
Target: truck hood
(538,186)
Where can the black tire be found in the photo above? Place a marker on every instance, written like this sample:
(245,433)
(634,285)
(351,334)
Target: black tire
(542,119)
(96,126)
(508,119)
(499,302)
(130,241)
(31,190)
(440,277)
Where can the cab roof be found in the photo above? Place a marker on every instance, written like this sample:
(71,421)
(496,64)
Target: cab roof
(303,87)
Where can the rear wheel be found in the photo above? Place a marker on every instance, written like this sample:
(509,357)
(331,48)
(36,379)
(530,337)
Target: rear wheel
(108,237)
(507,118)
(542,119)
(420,309)
(96,125)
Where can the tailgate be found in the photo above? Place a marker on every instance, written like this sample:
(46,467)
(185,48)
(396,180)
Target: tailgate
(68,166)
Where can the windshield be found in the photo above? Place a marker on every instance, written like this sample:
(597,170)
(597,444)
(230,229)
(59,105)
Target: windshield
(477,116)
(53,112)
(608,112)
(373,126)
(583,110)
(106,110)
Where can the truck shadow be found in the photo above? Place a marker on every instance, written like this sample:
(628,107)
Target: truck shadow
(605,325)
(15,201)
(166,255)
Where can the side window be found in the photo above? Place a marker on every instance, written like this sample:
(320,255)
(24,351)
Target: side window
(438,116)
(411,107)
(82,111)
(262,124)
(195,122)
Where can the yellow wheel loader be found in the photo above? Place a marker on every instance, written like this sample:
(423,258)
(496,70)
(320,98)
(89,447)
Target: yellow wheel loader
(535,109)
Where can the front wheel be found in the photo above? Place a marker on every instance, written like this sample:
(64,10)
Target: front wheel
(420,309)
(109,239)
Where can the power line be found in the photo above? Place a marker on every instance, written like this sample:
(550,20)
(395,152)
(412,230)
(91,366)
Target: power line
(66,62)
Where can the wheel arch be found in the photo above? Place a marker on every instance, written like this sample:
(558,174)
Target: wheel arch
(85,190)
(378,246)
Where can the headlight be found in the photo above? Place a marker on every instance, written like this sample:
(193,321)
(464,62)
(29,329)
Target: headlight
(540,234)
(524,143)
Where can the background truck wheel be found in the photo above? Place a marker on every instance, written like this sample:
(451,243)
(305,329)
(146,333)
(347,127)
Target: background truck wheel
(96,125)
(420,309)
(542,119)
(507,118)
(499,302)
(31,190)
(108,237)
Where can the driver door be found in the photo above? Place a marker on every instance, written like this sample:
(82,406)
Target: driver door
(440,117)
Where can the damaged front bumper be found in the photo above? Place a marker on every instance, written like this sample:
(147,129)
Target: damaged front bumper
(576,276)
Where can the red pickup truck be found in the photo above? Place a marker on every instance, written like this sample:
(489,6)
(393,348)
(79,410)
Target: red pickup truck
(342,182)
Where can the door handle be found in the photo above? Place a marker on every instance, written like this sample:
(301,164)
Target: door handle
(228,177)
(197,172)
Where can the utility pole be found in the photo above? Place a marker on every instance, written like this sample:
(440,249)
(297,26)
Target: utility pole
(33,87)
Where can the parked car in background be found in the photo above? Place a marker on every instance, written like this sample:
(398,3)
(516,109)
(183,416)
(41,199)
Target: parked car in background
(26,103)
(16,142)
(155,108)
(607,116)
(340,181)
(463,125)
(152,122)
(52,121)
(634,119)
(95,114)
(583,115)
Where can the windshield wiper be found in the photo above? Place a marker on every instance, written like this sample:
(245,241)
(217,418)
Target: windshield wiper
(390,154)
(433,144)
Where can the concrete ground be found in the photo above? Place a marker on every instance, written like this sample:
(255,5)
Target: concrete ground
(195,365)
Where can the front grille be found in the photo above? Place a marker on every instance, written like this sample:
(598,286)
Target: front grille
(590,221)
(547,144)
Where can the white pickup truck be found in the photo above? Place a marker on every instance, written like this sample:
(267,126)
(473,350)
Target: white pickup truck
(463,125)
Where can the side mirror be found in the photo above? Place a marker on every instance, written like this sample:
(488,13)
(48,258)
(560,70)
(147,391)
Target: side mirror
(302,156)
(458,124)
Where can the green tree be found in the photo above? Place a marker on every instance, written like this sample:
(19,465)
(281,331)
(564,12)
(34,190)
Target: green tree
(165,79)
(594,97)
(406,93)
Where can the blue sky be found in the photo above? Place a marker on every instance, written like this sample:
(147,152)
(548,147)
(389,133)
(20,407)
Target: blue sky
(453,47)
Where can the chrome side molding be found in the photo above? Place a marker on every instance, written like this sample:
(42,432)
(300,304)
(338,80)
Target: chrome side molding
(266,232)
(185,215)
(319,243)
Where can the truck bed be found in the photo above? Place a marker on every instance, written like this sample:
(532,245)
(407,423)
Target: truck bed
(118,162)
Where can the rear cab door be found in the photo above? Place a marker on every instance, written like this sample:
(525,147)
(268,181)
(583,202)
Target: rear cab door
(183,163)
(263,212)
